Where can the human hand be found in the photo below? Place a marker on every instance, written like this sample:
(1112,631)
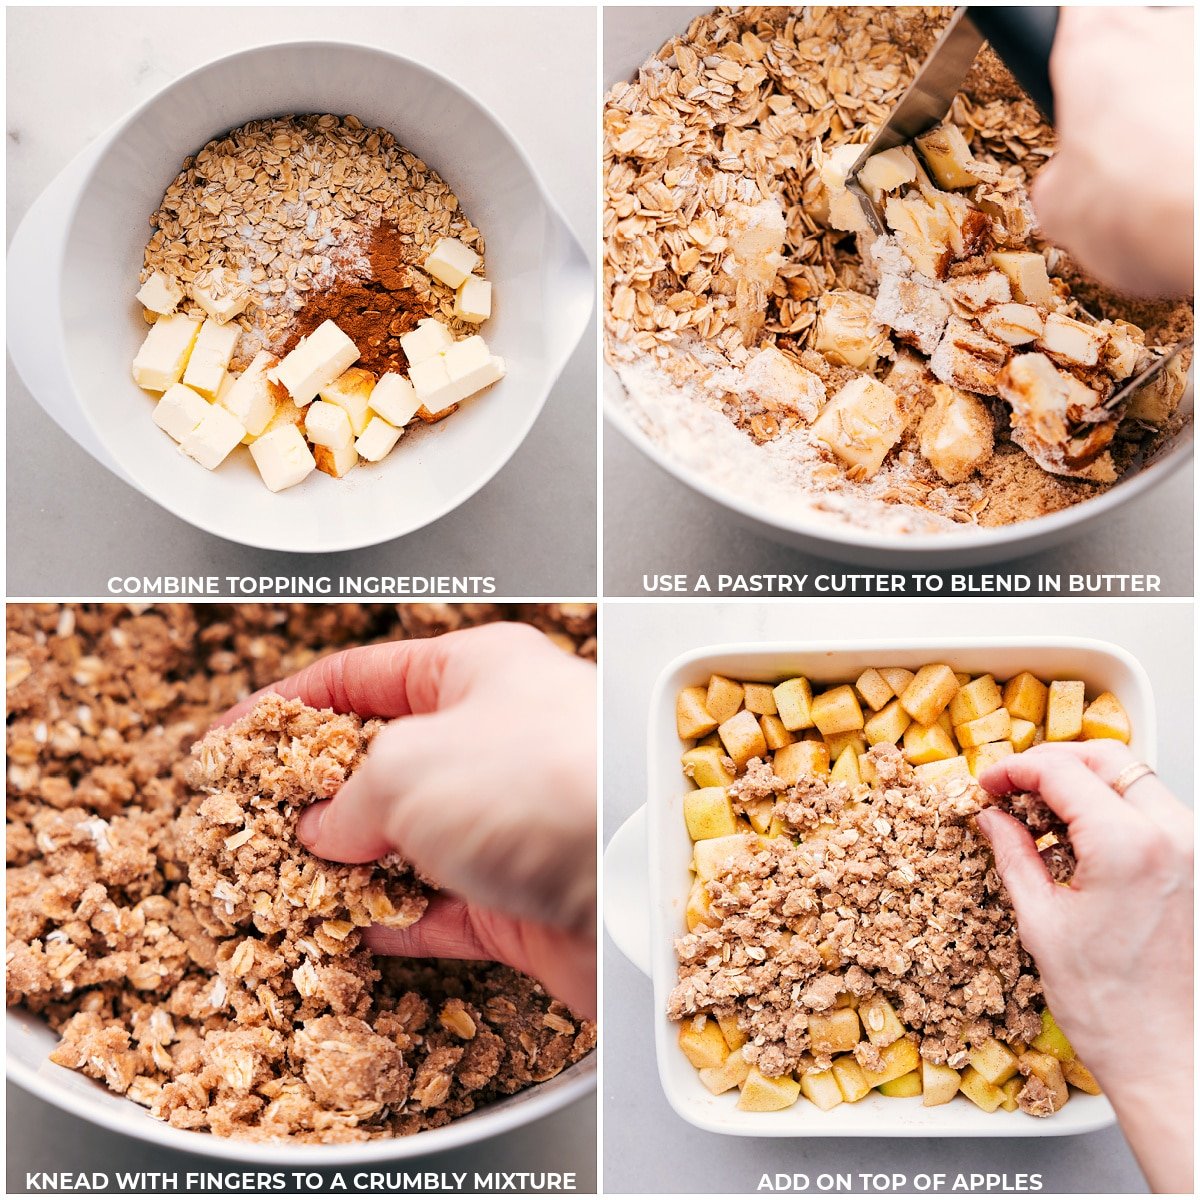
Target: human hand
(1114,949)
(1118,193)
(484,779)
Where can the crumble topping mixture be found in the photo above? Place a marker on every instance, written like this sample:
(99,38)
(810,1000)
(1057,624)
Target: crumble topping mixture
(164,921)
(722,267)
(898,896)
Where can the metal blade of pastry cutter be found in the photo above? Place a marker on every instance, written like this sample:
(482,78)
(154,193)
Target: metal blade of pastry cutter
(1136,382)
(925,104)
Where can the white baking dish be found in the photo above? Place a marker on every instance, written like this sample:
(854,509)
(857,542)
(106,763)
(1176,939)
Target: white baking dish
(73,326)
(631,35)
(29,1042)
(646,869)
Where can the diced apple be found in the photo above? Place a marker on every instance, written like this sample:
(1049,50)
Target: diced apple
(701,1040)
(713,855)
(981,1093)
(880,1022)
(1052,1040)
(927,744)
(723,698)
(851,1079)
(906,1086)
(692,719)
(898,1059)
(775,733)
(735,1038)
(995,727)
(730,1074)
(939,773)
(759,698)
(1077,1075)
(975,699)
(887,725)
(834,1031)
(897,678)
(1024,696)
(793,698)
(874,689)
(1049,1070)
(845,769)
(993,1060)
(1106,718)
(837,711)
(698,911)
(1064,710)
(1023,733)
(979,758)
(821,1087)
(931,690)
(706,765)
(939,1084)
(1011,1089)
(763,1094)
(709,814)
(801,760)
(743,738)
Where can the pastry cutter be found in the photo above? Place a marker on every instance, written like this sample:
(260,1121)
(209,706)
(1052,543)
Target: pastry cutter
(1022,37)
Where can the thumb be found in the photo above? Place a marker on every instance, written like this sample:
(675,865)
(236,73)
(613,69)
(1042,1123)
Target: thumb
(1020,867)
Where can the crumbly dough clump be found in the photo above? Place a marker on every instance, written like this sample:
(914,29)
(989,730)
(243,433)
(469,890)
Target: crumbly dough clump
(901,897)
(164,921)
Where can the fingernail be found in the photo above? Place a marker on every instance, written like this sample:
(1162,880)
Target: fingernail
(308,827)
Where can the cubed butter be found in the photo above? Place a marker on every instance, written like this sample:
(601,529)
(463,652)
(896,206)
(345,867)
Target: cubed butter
(164,354)
(222,302)
(861,424)
(451,261)
(395,399)
(315,362)
(376,441)
(212,440)
(428,340)
(282,457)
(335,462)
(250,397)
(160,294)
(210,357)
(179,411)
(352,391)
(327,425)
(473,300)
(472,367)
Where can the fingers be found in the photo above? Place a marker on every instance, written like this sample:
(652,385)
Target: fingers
(356,825)
(1063,781)
(391,680)
(1020,866)
(445,931)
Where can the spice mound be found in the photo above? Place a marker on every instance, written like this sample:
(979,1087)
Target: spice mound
(313,289)
(946,368)
(162,917)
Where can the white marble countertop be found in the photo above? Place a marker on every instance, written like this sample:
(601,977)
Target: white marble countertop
(640,638)
(73,71)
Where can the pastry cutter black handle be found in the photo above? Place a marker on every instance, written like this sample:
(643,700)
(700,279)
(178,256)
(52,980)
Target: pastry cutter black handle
(1023,37)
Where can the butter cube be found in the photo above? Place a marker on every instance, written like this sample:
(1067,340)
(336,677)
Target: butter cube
(1071,342)
(327,425)
(395,400)
(352,391)
(428,340)
(861,424)
(1027,274)
(164,354)
(160,294)
(957,434)
(948,156)
(282,457)
(315,362)
(1015,324)
(179,411)
(451,261)
(471,367)
(250,398)
(210,357)
(886,171)
(377,440)
(212,440)
(222,303)
(846,331)
(432,382)
(473,301)
(335,462)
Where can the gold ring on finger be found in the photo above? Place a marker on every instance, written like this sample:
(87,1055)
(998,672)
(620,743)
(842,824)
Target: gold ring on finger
(1129,776)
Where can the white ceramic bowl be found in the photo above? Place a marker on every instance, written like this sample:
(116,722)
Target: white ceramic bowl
(646,869)
(29,1042)
(634,33)
(75,259)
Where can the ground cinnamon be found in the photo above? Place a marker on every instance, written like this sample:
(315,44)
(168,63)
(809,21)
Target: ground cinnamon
(373,309)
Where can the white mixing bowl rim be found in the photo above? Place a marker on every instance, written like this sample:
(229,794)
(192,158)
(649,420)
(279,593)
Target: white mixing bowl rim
(521,428)
(524,1107)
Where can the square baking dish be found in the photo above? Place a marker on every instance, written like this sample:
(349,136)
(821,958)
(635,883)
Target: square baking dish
(1101,666)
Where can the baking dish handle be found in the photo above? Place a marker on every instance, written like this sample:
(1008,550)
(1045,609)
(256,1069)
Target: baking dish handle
(34,327)
(627,891)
